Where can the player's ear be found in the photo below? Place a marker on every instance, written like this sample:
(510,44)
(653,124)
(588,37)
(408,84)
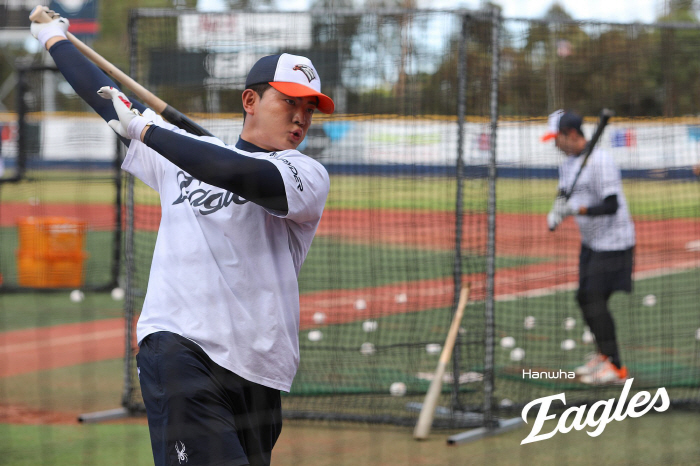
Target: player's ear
(249,100)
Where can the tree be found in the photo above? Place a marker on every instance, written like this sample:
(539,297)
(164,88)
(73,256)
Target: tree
(332,42)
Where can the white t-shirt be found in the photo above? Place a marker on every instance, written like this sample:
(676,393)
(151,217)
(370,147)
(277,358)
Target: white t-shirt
(224,270)
(599,179)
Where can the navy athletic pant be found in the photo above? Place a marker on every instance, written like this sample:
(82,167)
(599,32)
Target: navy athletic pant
(200,413)
(601,273)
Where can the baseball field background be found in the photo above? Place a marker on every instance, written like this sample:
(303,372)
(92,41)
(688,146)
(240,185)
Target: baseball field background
(62,358)
(417,125)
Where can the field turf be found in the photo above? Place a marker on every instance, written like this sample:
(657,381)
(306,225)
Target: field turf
(657,198)
(653,440)
(657,342)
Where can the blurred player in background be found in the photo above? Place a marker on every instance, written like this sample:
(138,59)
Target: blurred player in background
(218,333)
(607,240)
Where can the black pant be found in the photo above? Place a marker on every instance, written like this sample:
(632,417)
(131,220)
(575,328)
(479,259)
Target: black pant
(600,274)
(200,413)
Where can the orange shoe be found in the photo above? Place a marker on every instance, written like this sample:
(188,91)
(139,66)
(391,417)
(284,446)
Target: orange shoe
(606,374)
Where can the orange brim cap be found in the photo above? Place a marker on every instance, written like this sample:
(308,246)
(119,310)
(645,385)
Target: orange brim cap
(325,103)
(549,136)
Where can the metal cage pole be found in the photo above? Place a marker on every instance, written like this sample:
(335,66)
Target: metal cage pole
(491,425)
(21,124)
(127,407)
(118,203)
(489,320)
(459,207)
(130,271)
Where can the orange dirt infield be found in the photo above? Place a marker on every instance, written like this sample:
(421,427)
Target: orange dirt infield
(100,217)
(516,234)
(17,414)
(30,350)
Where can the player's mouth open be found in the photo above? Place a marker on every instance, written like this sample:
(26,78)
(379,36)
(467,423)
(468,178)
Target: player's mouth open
(296,135)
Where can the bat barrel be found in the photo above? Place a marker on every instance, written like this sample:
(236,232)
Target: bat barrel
(425,418)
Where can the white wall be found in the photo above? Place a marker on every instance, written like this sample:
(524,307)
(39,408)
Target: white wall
(407,141)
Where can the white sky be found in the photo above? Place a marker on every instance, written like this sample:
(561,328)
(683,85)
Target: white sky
(623,11)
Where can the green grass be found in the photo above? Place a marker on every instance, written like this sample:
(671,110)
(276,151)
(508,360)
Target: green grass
(330,264)
(655,439)
(668,439)
(411,138)
(72,187)
(64,186)
(657,344)
(29,310)
(333,264)
(76,389)
(662,199)
(335,364)
(106,444)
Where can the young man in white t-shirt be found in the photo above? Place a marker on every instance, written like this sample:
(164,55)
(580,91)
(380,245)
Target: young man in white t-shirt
(607,240)
(218,333)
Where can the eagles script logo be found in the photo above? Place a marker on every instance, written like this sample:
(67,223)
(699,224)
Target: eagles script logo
(307,70)
(576,417)
(207,200)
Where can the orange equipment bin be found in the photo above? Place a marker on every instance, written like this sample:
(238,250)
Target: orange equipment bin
(51,252)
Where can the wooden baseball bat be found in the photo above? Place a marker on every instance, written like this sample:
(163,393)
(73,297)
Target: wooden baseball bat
(427,412)
(605,116)
(41,14)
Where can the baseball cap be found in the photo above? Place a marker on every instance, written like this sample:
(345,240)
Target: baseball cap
(292,75)
(561,120)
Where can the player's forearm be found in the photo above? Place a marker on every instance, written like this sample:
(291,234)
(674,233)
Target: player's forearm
(608,207)
(256,180)
(85,78)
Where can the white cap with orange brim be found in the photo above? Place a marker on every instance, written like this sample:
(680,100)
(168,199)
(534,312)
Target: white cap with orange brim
(292,75)
(553,125)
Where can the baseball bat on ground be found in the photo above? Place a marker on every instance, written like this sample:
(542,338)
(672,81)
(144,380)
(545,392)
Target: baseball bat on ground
(605,115)
(42,14)
(427,412)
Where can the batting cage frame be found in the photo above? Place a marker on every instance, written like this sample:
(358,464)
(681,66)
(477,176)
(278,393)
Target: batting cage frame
(35,132)
(387,221)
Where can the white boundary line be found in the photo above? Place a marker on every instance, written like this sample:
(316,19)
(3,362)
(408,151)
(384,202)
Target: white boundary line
(49,342)
(570,286)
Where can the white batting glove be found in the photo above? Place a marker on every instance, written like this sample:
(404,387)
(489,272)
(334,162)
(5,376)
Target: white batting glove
(131,123)
(560,210)
(45,31)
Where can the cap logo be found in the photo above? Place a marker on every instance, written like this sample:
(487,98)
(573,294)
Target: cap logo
(307,70)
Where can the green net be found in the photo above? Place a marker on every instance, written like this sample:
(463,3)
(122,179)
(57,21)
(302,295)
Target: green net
(378,286)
